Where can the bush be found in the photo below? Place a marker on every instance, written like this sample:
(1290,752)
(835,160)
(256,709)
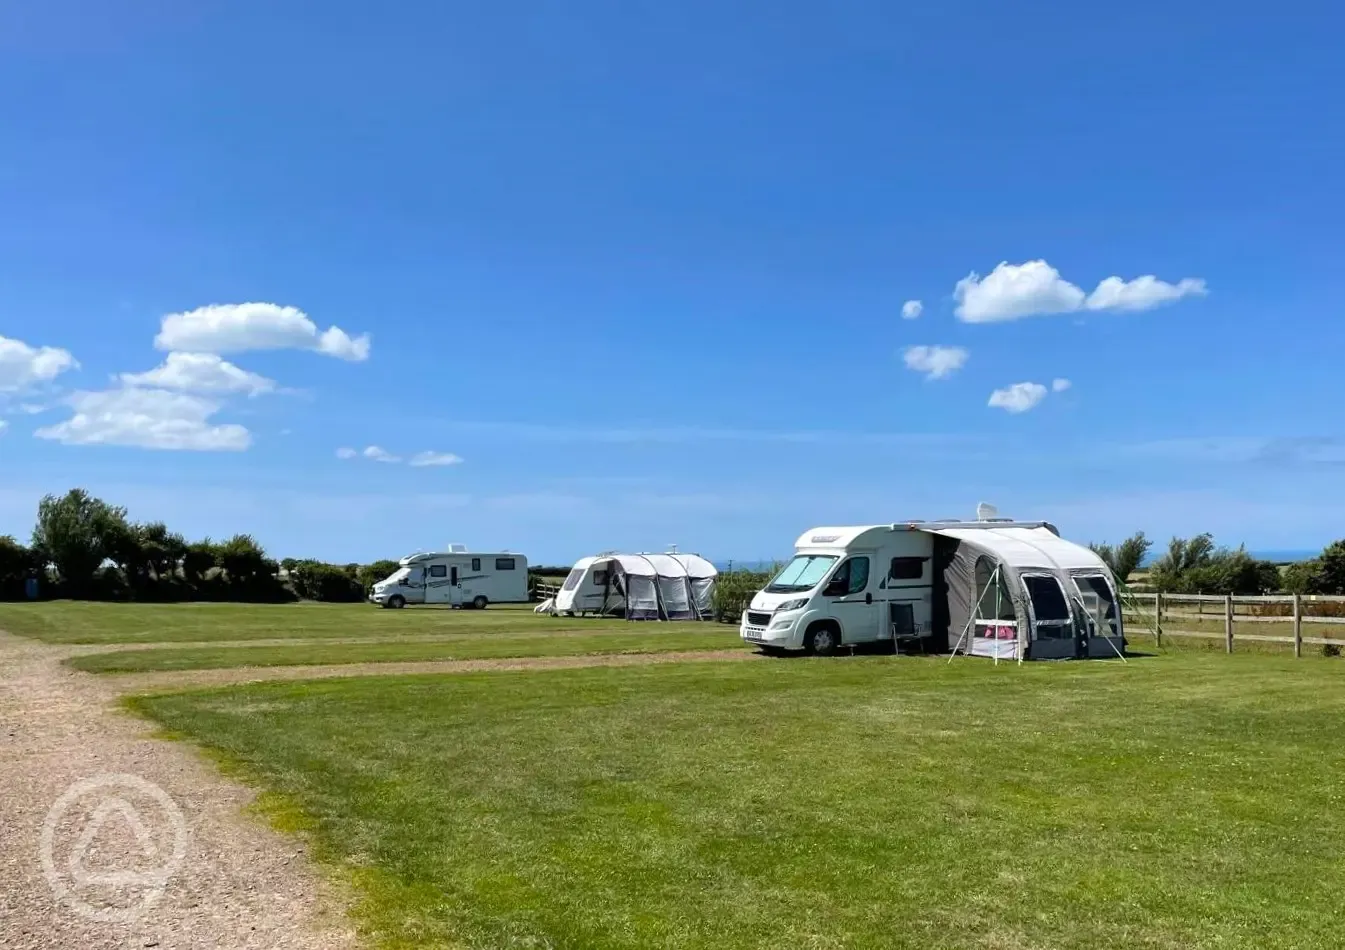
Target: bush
(370,574)
(314,580)
(734,591)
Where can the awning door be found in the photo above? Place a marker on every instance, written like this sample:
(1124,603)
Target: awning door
(1054,633)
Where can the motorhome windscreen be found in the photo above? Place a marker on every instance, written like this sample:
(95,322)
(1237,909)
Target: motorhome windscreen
(804,572)
(575,576)
(397,575)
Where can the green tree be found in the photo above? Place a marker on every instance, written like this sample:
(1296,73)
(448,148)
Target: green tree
(1125,558)
(371,574)
(71,532)
(198,559)
(1332,568)
(16,564)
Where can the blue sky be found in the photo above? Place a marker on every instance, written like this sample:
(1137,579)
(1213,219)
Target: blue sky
(635,272)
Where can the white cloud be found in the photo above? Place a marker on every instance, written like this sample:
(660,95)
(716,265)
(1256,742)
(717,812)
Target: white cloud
(1012,291)
(234,328)
(148,419)
(22,365)
(346,453)
(1020,397)
(4,424)
(1142,293)
(912,309)
(1060,385)
(380,454)
(200,373)
(936,362)
(435,458)
(31,409)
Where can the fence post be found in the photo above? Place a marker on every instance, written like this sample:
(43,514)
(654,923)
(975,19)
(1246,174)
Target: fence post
(1298,626)
(1228,623)
(1158,618)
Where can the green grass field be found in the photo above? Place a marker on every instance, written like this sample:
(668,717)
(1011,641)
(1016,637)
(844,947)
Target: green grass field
(1184,800)
(91,622)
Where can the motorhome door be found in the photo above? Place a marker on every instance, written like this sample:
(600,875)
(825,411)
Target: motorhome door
(852,600)
(455,586)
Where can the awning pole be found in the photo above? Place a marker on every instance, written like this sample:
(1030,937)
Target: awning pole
(976,605)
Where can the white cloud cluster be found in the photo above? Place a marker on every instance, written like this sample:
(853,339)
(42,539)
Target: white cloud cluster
(936,362)
(22,366)
(912,309)
(148,419)
(172,405)
(379,454)
(1013,291)
(1020,397)
(200,373)
(239,327)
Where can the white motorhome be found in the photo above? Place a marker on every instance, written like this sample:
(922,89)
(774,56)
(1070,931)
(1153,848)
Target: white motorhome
(994,587)
(457,577)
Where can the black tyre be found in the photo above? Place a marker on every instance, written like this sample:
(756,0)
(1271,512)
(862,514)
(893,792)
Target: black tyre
(479,602)
(823,640)
(396,601)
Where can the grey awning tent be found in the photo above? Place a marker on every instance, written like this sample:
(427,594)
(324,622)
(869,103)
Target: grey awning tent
(1023,592)
(639,587)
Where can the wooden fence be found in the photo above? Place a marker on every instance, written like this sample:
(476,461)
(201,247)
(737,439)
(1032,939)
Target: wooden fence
(1290,611)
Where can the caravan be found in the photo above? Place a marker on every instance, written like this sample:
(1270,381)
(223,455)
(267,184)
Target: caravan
(457,577)
(994,587)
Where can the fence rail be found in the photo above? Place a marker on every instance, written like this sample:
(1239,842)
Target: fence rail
(1152,609)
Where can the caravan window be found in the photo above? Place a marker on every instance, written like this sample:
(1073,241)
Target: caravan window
(1098,601)
(995,603)
(906,569)
(438,570)
(1048,600)
(504,564)
(573,578)
(600,578)
(804,572)
(476,564)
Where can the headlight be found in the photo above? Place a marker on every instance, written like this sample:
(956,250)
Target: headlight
(792,605)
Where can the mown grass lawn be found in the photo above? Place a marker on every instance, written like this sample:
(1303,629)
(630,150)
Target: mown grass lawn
(1184,800)
(93,622)
(651,638)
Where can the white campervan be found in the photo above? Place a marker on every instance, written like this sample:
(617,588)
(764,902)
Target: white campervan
(842,586)
(457,577)
(992,587)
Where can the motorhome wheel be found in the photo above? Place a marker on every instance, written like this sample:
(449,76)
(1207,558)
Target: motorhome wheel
(823,640)
(396,601)
(479,602)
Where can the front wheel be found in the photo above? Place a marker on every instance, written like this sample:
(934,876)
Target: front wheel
(396,601)
(823,641)
(479,602)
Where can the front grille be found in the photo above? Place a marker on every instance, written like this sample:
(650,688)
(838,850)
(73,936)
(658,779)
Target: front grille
(758,619)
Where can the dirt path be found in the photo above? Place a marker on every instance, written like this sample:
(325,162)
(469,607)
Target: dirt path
(179,679)
(238,884)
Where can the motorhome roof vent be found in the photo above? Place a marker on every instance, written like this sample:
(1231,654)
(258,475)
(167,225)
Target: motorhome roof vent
(457,549)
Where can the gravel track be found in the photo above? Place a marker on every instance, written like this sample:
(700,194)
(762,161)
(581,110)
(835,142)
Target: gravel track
(184,679)
(241,886)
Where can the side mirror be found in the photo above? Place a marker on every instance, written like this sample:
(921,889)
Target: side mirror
(835,589)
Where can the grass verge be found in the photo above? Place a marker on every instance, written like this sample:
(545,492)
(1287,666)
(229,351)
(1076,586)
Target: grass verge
(1183,800)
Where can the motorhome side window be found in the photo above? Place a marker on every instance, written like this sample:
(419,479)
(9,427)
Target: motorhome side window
(476,564)
(504,564)
(906,569)
(600,578)
(438,570)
